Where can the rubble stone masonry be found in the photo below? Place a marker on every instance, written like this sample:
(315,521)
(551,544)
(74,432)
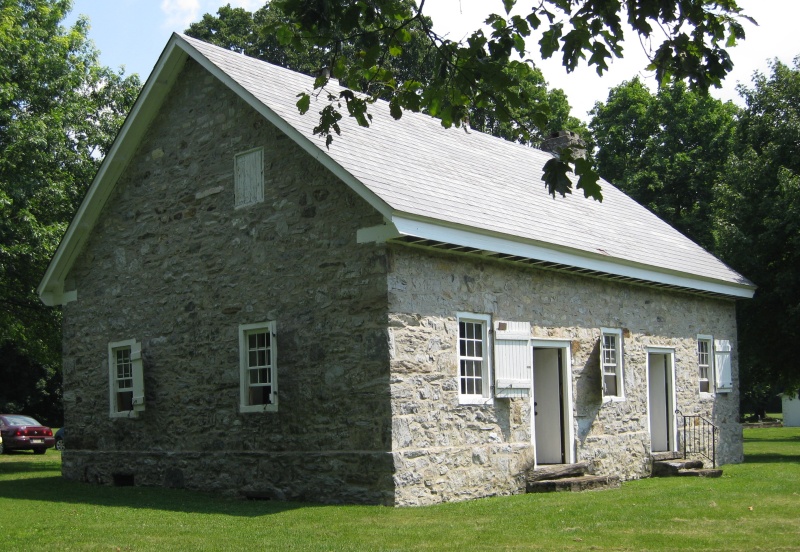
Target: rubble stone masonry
(366,335)
(444,451)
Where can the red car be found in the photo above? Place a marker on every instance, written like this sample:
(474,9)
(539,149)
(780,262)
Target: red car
(24,433)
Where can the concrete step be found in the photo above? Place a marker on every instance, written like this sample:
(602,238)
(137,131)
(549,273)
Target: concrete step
(667,468)
(700,472)
(558,471)
(574,484)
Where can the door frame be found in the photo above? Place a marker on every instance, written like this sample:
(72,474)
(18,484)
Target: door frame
(672,428)
(566,375)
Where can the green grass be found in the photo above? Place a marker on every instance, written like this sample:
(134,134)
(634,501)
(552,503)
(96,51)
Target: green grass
(754,506)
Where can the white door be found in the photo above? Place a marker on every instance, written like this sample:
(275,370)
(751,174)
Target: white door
(548,406)
(659,377)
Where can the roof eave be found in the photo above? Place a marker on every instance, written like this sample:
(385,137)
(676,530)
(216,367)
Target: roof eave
(436,231)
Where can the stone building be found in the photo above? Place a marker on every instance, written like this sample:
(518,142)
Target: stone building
(404,318)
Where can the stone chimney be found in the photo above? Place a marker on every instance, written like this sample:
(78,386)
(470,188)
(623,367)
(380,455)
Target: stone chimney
(564,139)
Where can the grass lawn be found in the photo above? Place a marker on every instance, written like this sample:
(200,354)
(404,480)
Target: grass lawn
(754,506)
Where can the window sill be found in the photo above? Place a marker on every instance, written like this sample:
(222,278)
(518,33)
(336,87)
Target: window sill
(126,414)
(704,396)
(613,399)
(474,400)
(250,409)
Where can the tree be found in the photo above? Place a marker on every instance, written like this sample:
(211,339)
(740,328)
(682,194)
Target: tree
(758,232)
(59,112)
(488,70)
(252,34)
(666,150)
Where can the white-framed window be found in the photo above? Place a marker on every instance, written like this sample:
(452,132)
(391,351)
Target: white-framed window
(248,169)
(705,363)
(125,378)
(257,368)
(611,365)
(474,385)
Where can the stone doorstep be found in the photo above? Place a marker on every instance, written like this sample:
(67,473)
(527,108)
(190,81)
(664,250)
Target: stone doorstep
(558,471)
(666,468)
(702,472)
(663,456)
(575,484)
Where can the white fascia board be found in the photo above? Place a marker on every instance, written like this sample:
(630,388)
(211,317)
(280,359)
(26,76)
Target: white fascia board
(51,288)
(298,137)
(575,258)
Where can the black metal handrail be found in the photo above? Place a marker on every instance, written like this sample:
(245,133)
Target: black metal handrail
(699,437)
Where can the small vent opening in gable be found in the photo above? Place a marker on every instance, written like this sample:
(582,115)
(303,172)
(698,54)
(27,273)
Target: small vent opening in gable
(249,177)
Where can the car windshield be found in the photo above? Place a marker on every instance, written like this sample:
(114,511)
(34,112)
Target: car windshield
(20,420)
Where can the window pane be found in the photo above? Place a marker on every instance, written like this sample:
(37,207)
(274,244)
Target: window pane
(610,385)
(124,401)
(704,386)
(260,395)
(471,349)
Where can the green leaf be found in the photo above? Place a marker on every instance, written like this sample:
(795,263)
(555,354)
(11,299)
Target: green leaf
(304,103)
(508,5)
(588,179)
(555,177)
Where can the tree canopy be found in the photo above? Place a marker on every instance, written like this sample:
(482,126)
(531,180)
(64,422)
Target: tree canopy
(730,179)
(488,69)
(758,229)
(666,150)
(59,112)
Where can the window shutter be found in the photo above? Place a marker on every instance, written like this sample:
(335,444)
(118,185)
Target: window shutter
(513,359)
(722,365)
(138,377)
(249,177)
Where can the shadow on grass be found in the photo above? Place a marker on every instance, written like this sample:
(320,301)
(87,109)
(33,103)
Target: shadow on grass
(29,467)
(791,439)
(56,489)
(771,458)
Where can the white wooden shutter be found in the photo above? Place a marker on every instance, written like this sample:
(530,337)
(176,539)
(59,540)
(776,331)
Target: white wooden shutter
(722,365)
(138,377)
(513,359)
(249,177)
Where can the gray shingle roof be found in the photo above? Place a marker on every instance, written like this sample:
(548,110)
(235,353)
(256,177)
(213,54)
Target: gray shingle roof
(466,188)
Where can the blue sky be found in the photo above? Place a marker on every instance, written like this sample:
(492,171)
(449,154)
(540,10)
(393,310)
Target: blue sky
(132,33)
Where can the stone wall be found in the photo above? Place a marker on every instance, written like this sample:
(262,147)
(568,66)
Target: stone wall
(172,264)
(444,451)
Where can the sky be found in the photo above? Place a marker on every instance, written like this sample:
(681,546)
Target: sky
(133,33)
